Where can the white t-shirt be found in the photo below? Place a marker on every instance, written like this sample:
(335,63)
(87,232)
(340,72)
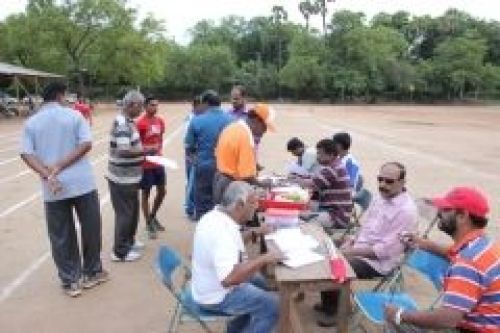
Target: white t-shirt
(217,248)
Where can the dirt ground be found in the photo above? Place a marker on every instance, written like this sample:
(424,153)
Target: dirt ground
(441,147)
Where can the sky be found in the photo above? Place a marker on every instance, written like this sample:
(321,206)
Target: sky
(180,15)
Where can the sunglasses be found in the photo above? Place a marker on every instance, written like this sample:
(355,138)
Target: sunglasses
(388,181)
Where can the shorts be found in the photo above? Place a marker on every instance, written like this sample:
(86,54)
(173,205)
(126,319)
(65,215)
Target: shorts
(153,177)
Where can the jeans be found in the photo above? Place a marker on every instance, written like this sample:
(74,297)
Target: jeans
(189,200)
(203,188)
(256,309)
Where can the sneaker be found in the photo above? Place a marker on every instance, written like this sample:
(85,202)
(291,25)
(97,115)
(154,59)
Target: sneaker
(131,256)
(151,230)
(138,246)
(92,281)
(157,224)
(72,289)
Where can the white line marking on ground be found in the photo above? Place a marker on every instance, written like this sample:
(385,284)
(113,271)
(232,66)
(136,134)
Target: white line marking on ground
(33,267)
(8,290)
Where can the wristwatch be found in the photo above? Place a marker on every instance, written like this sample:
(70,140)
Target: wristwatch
(397,316)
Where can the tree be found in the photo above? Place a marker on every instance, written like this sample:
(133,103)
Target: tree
(322,6)
(307,9)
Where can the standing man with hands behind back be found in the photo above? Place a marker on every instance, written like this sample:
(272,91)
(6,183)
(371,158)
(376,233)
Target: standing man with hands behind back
(55,143)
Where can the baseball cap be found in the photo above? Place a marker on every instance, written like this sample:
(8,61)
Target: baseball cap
(266,114)
(466,198)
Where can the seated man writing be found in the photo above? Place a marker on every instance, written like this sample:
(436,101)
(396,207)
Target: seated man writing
(224,280)
(376,249)
(330,185)
(471,295)
(307,162)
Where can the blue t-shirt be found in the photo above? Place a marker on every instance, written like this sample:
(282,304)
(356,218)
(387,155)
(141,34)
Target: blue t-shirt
(53,133)
(203,132)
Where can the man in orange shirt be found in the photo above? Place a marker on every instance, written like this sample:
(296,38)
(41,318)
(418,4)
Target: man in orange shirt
(235,151)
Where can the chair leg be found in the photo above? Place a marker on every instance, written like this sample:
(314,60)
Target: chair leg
(174,320)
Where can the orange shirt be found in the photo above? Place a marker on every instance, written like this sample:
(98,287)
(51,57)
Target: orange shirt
(235,151)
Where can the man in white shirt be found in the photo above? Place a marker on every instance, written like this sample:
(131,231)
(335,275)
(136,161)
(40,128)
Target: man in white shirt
(224,280)
(307,162)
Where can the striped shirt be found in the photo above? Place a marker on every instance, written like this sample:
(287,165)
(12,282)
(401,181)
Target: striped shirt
(331,183)
(124,137)
(472,284)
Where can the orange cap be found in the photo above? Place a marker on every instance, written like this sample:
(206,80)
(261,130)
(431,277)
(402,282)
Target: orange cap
(266,114)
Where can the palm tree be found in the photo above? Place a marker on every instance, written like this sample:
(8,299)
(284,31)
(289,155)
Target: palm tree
(323,10)
(307,8)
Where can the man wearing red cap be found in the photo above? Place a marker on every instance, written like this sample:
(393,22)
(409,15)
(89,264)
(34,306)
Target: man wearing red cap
(471,295)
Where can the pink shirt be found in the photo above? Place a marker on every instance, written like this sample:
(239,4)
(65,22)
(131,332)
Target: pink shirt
(381,227)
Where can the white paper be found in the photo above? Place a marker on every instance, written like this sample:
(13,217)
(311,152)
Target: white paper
(160,160)
(296,246)
(301,258)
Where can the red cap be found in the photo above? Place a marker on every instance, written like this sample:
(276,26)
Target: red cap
(466,198)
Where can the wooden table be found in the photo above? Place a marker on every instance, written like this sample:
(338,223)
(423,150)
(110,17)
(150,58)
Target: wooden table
(310,278)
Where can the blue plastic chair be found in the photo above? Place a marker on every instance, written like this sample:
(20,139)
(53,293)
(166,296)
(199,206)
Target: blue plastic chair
(430,266)
(168,264)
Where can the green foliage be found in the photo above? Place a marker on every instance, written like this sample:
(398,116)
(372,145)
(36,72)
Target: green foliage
(393,57)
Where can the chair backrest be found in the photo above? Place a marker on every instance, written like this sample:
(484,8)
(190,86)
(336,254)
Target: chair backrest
(168,261)
(431,266)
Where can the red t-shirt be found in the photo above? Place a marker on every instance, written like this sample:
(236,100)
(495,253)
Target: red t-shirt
(151,131)
(84,109)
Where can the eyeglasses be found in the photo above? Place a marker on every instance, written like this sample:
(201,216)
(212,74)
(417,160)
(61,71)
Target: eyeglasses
(388,181)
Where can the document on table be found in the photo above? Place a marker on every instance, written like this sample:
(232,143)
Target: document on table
(296,246)
(160,160)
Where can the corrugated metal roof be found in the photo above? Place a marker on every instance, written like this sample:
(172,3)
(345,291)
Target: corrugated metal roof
(8,69)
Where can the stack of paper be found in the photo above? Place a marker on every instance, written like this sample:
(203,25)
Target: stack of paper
(296,246)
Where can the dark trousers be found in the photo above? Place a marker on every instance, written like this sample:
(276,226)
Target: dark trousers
(221,182)
(125,201)
(64,240)
(329,299)
(203,188)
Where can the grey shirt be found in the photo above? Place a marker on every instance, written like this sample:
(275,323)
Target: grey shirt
(52,134)
(124,137)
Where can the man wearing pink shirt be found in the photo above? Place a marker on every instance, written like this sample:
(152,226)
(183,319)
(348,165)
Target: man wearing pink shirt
(377,248)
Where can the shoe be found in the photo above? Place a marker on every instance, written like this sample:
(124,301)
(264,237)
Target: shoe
(131,256)
(157,224)
(318,307)
(151,230)
(92,281)
(72,289)
(138,246)
(329,321)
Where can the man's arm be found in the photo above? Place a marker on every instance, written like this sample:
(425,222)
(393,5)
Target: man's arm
(71,158)
(36,165)
(243,271)
(441,318)
(427,245)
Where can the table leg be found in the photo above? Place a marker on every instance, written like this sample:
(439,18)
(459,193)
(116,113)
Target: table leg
(344,308)
(285,302)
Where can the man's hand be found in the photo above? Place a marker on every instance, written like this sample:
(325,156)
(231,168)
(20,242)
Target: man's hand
(274,256)
(413,241)
(390,313)
(265,229)
(54,170)
(54,185)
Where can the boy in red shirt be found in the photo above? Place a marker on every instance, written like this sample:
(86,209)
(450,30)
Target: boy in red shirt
(151,129)
(84,108)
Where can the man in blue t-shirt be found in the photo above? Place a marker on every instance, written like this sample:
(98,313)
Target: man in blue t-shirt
(200,141)
(55,142)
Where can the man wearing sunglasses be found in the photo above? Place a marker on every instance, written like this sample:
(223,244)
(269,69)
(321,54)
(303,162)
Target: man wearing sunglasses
(376,248)
(471,295)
